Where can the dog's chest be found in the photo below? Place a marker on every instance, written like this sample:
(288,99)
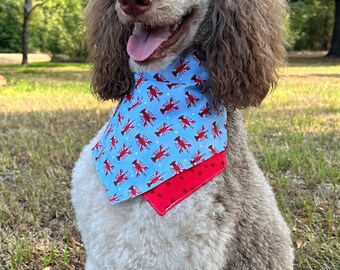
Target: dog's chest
(131,235)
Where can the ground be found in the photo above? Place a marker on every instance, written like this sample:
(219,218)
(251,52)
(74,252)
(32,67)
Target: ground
(47,114)
(15,58)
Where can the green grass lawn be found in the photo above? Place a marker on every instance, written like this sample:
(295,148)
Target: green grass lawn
(47,115)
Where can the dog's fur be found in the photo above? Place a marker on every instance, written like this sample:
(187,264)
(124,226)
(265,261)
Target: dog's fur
(231,223)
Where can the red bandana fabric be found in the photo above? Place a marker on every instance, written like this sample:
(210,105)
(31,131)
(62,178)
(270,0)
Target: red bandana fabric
(172,192)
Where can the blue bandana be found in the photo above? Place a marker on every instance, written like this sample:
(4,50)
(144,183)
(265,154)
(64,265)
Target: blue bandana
(167,124)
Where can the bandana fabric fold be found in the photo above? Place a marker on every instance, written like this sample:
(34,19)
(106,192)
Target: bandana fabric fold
(166,125)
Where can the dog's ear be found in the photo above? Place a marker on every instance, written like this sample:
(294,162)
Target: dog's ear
(107,39)
(245,49)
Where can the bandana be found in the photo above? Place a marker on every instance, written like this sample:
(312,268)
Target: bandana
(165,129)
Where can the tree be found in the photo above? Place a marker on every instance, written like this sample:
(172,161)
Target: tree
(310,24)
(335,44)
(10,26)
(28,9)
(50,26)
(67,33)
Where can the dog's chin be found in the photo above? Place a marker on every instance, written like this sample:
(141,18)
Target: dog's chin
(154,65)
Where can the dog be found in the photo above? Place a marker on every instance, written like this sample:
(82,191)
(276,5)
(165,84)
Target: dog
(232,222)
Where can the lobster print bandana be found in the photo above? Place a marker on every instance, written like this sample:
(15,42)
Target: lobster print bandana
(166,125)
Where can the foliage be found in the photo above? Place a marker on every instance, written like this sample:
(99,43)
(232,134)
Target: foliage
(10,26)
(310,24)
(67,33)
(55,27)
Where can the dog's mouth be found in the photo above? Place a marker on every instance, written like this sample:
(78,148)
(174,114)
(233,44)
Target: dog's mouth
(150,43)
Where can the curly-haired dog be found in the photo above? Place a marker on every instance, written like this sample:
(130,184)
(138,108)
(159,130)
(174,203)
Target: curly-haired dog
(233,221)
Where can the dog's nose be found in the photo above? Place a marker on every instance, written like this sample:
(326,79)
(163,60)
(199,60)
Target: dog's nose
(135,7)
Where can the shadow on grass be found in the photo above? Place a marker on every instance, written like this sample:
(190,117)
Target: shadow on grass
(321,111)
(303,61)
(47,65)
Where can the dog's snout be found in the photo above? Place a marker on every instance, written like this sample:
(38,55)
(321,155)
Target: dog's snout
(135,7)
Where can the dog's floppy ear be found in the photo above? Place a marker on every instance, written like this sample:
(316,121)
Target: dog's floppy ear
(244,50)
(107,39)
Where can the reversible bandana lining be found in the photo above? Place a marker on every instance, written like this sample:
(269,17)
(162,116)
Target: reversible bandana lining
(170,193)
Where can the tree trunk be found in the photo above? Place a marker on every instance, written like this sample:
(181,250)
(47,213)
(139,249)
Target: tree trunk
(335,45)
(25,30)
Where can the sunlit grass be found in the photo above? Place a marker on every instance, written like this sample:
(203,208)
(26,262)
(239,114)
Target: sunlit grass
(47,114)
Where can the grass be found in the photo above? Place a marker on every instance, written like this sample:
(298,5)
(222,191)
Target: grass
(47,115)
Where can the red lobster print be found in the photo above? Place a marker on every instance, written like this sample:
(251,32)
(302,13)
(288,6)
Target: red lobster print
(160,154)
(128,98)
(160,78)
(181,68)
(113,143)
(134,191)
(97,146)
(201,134)
(142,142)
(136,104)
(147,117)
(198,58)
(157,177)
(140,81)
(218,109)
(175,85)
(139,167)
(213,150)
(198,80)
(204,90)
(196,158)
(205,110)
(100,154)
(186,121)
(191,99)
(216,130)
(115,198)
(176,168)
(120,177)
(128,127)
(108,167)
(109,131)
(124,152)
(154,93)
(169,106)
(182,144)
(164,129)
(120,117)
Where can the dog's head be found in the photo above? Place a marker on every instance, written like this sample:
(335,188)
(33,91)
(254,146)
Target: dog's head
(241,40)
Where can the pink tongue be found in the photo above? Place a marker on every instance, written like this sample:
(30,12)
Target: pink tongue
(144,42)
